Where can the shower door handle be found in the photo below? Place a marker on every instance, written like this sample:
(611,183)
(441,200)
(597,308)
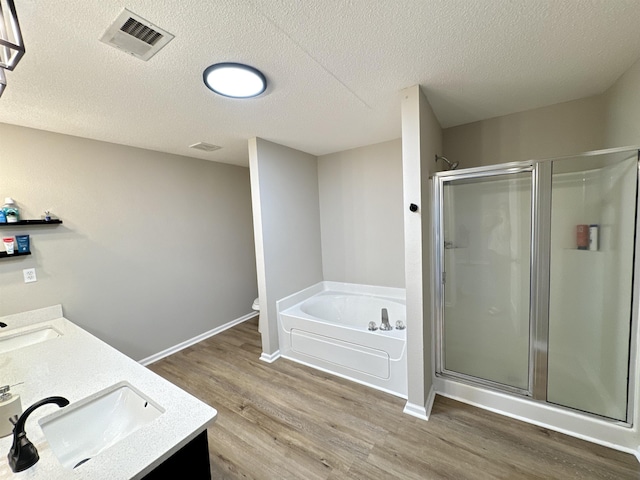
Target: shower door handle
(444,277)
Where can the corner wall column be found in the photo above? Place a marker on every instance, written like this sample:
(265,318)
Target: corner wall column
(421,141)
(286,223)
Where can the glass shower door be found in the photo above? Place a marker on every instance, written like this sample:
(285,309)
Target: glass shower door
(593,219)
(485,229)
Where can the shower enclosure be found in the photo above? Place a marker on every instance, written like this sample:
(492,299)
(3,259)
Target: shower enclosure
(535,268)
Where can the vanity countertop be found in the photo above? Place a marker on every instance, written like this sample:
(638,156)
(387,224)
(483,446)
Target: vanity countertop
(77,365)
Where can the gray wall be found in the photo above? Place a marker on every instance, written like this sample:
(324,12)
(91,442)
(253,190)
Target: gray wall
(623,110)
(608,120)
(284,190)
(154,249)
(361,215)
(563,129)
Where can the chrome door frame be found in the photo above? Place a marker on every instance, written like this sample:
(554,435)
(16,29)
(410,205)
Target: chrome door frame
(540,280)
(635,301)
(439,179)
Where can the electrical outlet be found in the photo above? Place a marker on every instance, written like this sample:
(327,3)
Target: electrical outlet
(29,275)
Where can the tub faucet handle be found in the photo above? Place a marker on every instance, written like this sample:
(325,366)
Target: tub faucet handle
(385,320)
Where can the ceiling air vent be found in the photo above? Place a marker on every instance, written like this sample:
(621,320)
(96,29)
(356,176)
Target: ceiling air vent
(136,36)
(207,147)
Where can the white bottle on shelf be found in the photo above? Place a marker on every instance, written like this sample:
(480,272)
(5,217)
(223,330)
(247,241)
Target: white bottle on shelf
(593,237)
(11,211)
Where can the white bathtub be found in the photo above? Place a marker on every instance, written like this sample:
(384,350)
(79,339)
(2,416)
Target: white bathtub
(326,327)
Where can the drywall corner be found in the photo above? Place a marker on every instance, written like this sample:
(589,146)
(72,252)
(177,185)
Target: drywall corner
(286,211)
(421,141)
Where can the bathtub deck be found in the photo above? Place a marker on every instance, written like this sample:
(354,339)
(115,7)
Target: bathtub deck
(284,420)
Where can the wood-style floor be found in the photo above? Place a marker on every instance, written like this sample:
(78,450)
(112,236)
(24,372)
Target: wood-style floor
(287,421)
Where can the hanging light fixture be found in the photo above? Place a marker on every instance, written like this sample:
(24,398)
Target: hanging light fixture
(3,81)
(234,80)
(11,44)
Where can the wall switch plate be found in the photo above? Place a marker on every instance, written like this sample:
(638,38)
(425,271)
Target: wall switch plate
(29,275)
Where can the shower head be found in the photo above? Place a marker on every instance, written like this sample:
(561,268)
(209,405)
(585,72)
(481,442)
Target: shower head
(452,166)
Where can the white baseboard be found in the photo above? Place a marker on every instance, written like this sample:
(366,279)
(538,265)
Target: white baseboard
(270,358)
(192,341)
(430,399)
(416,410)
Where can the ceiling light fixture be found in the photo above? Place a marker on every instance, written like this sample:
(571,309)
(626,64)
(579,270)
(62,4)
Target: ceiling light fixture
(3,81)
(234,80)
(11,44)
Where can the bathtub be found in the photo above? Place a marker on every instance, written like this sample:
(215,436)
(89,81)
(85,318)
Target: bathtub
(326,327)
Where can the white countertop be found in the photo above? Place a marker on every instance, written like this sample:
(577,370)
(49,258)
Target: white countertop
(78,365)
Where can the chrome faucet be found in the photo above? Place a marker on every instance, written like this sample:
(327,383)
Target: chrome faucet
(385,320)
(23,453)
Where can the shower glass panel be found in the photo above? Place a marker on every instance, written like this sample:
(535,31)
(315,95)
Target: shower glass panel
(593,219)
(486,229)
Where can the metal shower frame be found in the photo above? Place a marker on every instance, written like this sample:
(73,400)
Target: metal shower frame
(541,174)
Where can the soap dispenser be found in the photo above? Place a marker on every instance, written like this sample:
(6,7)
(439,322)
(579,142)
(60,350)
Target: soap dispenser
(10,406)
(11,212)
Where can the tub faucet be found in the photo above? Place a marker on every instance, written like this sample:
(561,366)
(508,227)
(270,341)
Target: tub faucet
(23,453)
(385,320)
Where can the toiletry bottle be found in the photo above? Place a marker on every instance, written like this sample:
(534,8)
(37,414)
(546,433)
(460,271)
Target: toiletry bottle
(10,405)
(582,237)
(593,236)
(11,212)
(9,245)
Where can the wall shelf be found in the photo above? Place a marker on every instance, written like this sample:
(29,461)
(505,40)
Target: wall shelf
(23,223)
(26,223)
(16,254)
(581,250)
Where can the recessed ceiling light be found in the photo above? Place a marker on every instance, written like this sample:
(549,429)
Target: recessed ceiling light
(234,80)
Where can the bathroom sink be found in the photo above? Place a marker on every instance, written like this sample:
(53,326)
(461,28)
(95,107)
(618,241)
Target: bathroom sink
(24,339)
(86,428)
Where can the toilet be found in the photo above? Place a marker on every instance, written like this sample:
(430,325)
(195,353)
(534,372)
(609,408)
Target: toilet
(256,307)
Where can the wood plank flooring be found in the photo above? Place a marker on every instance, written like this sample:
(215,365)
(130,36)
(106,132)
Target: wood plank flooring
(287,421)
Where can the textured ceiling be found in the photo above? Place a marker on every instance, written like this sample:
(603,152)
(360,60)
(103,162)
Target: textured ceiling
(335,67)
